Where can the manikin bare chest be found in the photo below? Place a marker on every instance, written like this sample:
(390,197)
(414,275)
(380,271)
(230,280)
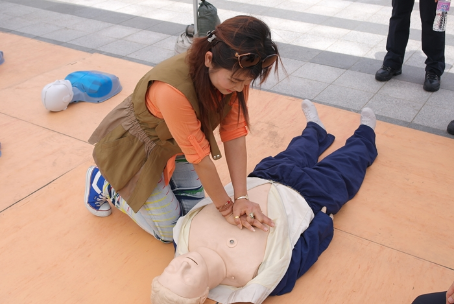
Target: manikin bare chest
(241,250)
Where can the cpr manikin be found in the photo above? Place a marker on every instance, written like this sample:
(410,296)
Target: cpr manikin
(89,86)
(216,260)
(214,248)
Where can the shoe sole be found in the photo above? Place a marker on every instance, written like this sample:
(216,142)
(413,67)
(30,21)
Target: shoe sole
(100,213)
(379,78)
(430,89)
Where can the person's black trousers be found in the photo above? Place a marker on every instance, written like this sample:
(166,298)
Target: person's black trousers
(433,43)
(431,298)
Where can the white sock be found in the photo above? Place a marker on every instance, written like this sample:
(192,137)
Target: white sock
(310,112)
(368,118)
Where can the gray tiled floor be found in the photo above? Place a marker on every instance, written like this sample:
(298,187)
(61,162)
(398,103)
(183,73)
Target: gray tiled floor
(433,116)
(149,36)
(318,72)
(359,81)
(152,54)
(345,97)
(64,35)
(91,26)
(330,49)
(393,107)
(122,47)
(93,41)
(296,86)
(40,29)
(118,31)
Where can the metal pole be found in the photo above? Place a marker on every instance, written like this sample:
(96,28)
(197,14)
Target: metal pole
(195,18)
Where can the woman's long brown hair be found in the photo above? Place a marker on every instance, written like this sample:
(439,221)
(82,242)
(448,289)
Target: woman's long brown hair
(242,34)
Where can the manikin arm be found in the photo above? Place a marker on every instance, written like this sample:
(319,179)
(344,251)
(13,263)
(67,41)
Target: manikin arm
(309,247)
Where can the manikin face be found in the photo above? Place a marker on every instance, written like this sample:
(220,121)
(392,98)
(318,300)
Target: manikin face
(186,275)
(223,80)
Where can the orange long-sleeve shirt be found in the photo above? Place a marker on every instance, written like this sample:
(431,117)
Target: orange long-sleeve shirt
(184,126)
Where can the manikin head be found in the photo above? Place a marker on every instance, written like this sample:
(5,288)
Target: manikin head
(57,95)
(184,281)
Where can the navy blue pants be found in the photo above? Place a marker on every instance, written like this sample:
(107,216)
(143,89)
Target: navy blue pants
(331,183)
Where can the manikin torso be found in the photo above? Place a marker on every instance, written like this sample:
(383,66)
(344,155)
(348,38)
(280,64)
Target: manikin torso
(241,250)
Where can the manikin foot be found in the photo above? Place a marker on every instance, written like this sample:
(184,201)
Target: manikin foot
(310,112)
(368,118)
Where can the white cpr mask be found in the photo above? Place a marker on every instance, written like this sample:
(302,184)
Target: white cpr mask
(57,95)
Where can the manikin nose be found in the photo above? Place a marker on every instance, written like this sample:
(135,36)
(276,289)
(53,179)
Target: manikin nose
(184,267)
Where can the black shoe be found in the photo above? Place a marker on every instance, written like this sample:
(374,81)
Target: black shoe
(451,128)
(386,73)
(432,82)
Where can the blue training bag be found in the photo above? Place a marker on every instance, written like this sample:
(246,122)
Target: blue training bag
(93,86)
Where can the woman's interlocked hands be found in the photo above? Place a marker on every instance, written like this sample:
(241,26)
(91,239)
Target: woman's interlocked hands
(249,215)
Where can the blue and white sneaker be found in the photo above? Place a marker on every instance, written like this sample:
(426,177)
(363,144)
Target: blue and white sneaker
(95,201)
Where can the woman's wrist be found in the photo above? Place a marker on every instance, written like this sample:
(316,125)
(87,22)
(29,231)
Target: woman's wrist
(226,211)
(242,197)
(228,205)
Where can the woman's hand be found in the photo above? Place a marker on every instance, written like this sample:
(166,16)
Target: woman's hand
(249,215)
(244,223)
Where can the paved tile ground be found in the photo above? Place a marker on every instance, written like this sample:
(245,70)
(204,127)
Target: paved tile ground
(330,48)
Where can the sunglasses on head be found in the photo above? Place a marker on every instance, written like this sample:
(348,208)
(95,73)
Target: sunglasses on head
(250,59)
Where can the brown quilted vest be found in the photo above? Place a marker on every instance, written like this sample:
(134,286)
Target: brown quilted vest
(133,146)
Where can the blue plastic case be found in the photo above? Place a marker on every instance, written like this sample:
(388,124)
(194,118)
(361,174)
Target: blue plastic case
(93,86)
